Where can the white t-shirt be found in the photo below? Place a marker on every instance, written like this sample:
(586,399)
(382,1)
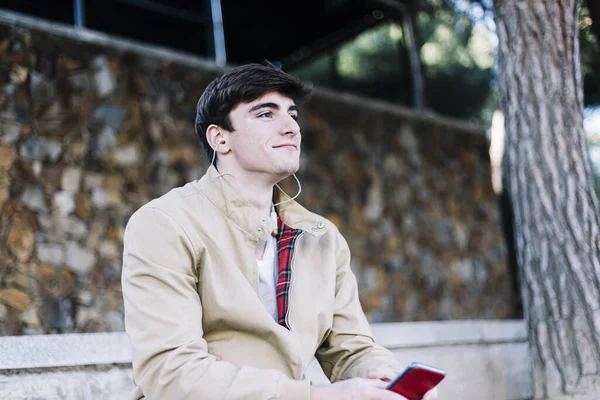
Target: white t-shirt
(267,274)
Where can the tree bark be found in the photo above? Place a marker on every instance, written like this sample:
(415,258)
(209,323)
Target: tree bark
(547,169)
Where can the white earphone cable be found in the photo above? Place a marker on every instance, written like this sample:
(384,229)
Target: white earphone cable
(238,182)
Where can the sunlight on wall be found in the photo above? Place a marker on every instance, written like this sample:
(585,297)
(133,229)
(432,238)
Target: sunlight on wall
(591,126)
(497,149)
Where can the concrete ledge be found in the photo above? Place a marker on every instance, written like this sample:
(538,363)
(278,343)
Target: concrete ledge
(484,359)
(47,351)
(500,371)
(449,333)
(82,384)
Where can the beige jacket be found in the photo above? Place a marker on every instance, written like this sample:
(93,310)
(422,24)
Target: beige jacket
(197,327)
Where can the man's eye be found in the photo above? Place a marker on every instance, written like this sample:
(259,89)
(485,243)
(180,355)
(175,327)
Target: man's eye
(294,116)
(267,114)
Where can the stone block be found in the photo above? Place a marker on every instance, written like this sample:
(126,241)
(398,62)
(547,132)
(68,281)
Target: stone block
(115,322)
(106,139)
(57,315)
(10,133)
(113,183)
(51,253)
(19,277)
(109,250)
(33,149)
(79,259)
(42,149)
(93,180)
(82,208)
(77,150)
(14,298)
(97,231)
(55,283)
(81,81)
(49,176)
(407,140)
(128,155)
(85,298)
(42,89)
(71,179)
(30,317)
(110,114)
(7,156)
(64,202)
(100,198)
(74,227)
(104,79)
(21,240)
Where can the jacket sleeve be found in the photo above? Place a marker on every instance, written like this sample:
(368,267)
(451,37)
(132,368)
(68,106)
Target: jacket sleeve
(163,319)
(349,351)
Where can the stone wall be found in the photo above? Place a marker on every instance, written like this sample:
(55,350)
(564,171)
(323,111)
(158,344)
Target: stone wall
(413,196)
(91,128)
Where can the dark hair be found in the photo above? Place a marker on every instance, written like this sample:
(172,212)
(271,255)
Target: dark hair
(242,84)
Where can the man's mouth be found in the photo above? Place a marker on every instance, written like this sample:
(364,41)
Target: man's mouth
(288,146)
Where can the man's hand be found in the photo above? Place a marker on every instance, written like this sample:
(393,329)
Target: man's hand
(387,374)
(354,389)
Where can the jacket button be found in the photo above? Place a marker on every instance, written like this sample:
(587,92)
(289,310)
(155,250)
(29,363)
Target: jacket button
(259,230)
(320,225)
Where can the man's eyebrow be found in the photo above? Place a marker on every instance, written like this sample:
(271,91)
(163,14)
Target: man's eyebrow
(274,106)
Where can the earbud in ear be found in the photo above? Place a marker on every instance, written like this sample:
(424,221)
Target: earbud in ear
(222,141)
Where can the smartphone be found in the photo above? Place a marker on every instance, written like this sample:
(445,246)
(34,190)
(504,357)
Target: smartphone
(416,380)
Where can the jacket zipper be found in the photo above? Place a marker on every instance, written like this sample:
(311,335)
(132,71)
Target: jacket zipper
(287,313)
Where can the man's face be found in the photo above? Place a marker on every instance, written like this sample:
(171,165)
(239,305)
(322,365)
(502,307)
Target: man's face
(266,137)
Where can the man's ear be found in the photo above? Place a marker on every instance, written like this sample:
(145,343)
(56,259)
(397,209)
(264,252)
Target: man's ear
(216,139)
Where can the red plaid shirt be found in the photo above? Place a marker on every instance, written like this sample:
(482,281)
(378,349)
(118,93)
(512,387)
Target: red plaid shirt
(286,243)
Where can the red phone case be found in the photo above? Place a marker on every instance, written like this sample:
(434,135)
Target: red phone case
(416,380)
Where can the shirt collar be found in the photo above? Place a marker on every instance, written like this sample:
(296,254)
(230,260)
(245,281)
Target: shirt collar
(241,212)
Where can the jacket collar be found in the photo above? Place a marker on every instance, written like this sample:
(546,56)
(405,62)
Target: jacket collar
(241,212)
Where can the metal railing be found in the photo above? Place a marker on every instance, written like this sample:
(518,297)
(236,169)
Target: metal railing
(218,34)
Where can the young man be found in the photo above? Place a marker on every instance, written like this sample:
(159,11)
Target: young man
(231,287)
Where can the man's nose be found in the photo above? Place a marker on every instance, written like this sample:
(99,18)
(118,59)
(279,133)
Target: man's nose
(291,126)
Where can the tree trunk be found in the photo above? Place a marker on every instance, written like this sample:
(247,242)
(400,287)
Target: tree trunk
(407,11)
(409,37)
(549,179)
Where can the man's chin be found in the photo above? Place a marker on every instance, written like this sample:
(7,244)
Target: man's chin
(288,169)
(286,172)
(284,175)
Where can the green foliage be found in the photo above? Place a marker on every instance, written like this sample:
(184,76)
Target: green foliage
(372,64)
(457,52)
(457,46)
